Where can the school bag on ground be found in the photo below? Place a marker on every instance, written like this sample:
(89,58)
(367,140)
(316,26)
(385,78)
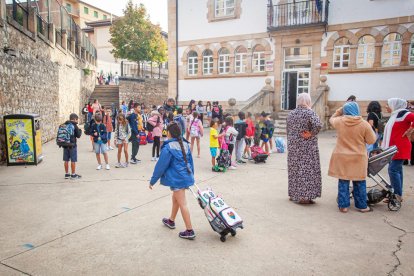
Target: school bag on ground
(258,154)
(64,133)
(150,138)
(142,138)
(222,218)
(280,145)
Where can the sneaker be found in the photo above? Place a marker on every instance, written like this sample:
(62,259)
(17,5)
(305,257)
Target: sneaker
(234,164)
(138,161)
(99,167)
(187,234)
(118,165)
(133,161)
(67,175)
(125,165)
(169,223)
(232,168)
(111,148)
(154,159)
(107,167)
(75,176)
(244,156)
(240,162)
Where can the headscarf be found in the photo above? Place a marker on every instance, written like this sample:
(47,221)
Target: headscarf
(396,105)
(304,100)
(351,109)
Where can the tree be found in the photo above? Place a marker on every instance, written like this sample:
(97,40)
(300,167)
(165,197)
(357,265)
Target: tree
(135,38)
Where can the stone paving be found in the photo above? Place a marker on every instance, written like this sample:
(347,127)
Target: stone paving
(109,223)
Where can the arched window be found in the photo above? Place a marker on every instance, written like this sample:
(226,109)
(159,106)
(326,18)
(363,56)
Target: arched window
(240,60)
(366,52)
(207,62)
(341,53)
(224,7)
(258,61)
(224,61)
(192,63)
(411,55)
(391,50)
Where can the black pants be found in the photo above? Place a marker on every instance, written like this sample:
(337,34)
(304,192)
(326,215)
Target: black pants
(135,147)
(412,153)
(156,145)
(231,148)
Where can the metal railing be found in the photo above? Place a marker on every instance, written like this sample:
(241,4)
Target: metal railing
(18,11)
(145,70)
(297,14)
(42,26)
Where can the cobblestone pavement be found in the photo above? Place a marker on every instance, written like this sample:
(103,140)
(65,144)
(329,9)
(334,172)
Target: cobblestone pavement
(109,223)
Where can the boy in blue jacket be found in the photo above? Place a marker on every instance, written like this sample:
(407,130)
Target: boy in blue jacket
(175,168)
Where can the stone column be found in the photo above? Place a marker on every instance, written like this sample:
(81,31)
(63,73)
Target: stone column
(72,45)
(378,49)
(172,48)
(278,67)
(405,48)
(352,56)
(64,40)
(52,33)
(32,22)
(2,12)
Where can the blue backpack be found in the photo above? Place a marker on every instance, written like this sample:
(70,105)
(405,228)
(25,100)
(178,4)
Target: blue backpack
(64,134)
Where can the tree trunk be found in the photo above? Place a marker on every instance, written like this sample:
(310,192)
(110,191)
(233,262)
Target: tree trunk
(151,71)
(159,70)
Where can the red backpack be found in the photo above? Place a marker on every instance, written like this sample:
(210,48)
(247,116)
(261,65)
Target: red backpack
(250,129)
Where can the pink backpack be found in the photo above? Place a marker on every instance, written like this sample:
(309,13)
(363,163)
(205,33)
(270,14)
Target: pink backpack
(195,128)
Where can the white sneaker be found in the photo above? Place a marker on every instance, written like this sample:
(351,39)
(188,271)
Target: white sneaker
(107,167)
(99,167)
(154,159)
(232,168)
(118,165)
(124,165)
(111,148)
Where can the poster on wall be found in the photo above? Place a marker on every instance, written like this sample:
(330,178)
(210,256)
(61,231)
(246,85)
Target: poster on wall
(269,66)
(20,141)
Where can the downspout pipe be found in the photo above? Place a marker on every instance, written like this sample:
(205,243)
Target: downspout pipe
(176,51)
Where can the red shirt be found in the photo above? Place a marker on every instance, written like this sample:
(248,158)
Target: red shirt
(90,110)
(401,125)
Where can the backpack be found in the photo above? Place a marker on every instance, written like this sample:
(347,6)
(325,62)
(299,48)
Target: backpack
(250,129)
(195,128)
(150,127)
(215,112)
(241,128)
(64,133)
(164,130)
(280,144)
(142,138)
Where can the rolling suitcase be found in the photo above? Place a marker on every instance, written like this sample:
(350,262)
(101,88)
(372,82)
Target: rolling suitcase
(142,138)
(222,218)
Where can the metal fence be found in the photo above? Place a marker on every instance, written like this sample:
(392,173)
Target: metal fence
(19,11)
(297,13)
(145,70)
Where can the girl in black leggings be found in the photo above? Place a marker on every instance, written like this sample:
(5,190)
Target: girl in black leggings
(156,146)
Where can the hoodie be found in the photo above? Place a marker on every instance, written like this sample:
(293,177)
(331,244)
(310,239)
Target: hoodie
(158,123)
(349,160)
(171,167)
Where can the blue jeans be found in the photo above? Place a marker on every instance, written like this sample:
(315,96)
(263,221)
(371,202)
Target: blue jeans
(395,171)
(90,114)
(360,194)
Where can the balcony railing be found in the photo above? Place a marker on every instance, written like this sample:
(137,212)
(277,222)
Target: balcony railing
(297,14)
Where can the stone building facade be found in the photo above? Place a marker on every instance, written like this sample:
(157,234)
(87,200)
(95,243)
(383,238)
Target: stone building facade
(148,91)
(38,76)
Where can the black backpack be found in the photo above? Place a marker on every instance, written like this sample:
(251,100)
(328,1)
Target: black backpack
(88,127)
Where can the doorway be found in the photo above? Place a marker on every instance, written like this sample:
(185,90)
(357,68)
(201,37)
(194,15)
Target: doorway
(294,83)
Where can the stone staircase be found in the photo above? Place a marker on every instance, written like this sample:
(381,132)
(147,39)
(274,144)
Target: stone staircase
(280,122)
(106,95)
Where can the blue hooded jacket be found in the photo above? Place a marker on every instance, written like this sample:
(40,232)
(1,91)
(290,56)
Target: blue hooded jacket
(171,167)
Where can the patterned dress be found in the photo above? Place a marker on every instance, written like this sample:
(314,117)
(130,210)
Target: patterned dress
(304,169)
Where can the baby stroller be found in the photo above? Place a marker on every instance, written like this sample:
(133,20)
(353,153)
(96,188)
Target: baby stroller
(378,159)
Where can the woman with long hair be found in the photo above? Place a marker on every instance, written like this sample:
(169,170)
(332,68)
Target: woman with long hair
(175,168)
(374,119)
(122,134)
(200,110)
(209,110)
(195,128)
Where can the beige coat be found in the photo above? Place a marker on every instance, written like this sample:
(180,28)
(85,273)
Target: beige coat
(349,160)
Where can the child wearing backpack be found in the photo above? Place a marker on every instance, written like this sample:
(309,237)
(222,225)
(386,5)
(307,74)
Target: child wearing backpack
(250,132)
(70,151)
(196,132)
(214,142)
(156,125)
(241,127)
(100,139)
(107,120)
(176,170)
(230,134)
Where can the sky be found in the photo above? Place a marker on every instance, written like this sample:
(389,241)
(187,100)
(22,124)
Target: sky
(157,9)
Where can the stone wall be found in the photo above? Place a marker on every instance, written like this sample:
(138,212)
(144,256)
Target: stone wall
(39,77)
(148,91)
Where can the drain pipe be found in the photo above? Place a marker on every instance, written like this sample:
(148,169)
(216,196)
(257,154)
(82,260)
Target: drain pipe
(176,50)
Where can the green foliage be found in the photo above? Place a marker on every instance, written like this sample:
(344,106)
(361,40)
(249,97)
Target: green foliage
(135,38)
(86,71)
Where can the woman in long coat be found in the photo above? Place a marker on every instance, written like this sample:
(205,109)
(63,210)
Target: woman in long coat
(304,170)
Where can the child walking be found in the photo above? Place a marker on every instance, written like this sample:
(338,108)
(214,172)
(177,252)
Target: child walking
(175,168)
(157,122)
(122,134)
(196,132)
(100,139)
(214,143)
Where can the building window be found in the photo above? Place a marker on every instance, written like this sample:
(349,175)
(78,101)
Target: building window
(68,7)
(224,8)
(258,61)
(192,63)
(105,17)
(411,56)
(366,52)
(95,14)
(341,53)
(207,62)
(391,50)
(224,61)
(85,10)
(240,60)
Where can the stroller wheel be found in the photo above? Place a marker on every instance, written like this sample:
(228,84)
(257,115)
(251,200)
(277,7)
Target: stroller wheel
(233,233)
(223,238)
(394,204)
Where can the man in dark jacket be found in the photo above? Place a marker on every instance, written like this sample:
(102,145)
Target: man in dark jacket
(135,122)
(169,106)
(71,153)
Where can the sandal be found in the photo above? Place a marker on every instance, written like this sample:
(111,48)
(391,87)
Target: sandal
(343,210)
(367,210)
